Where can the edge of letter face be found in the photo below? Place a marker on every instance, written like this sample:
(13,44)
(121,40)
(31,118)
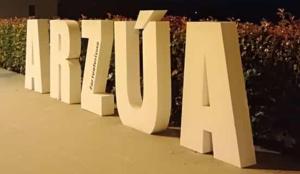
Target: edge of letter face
(65,74)
(215,108)
(150,114)
(93,96)
(37,71)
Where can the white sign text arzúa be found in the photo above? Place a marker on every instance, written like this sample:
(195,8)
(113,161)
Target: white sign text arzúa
(215,112)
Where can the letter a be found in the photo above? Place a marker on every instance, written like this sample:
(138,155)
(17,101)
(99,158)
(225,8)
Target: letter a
(93,97)
(65,74)
(215,115)
(150,114)
(37,75)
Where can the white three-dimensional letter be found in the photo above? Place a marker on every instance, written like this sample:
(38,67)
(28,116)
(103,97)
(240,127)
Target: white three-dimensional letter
(215,115)
(65,74)
(37,75)
(151,113)
(93,97)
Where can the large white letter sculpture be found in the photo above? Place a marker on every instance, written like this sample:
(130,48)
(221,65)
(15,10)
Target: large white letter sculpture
(93,97)
(37,76)
(150,114)
(65,74)
(215,112)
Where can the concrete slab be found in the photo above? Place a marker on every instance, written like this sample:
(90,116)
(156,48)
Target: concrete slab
(39,135)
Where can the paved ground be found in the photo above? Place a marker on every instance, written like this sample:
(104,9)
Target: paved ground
(39,135)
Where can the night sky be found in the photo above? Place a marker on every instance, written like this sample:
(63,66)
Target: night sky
(247,10)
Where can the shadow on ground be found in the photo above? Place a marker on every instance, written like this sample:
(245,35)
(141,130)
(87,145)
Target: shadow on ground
(7,75)
(170,132)
(270,161)
(265,160)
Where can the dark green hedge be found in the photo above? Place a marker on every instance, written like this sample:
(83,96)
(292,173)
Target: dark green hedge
(13,44)
(271,62)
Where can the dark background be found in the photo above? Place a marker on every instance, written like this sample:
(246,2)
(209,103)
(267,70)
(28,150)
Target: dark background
(247,10)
